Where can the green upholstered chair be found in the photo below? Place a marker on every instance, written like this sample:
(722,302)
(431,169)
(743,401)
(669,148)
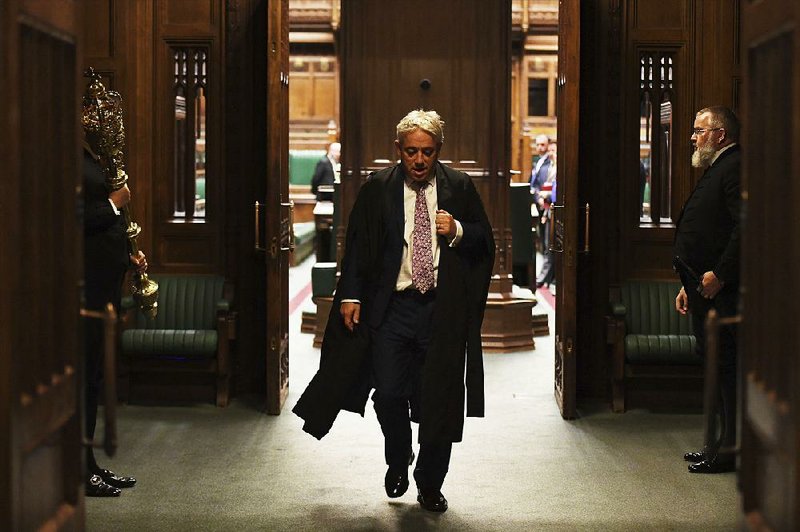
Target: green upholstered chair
(648,337)
(191,332)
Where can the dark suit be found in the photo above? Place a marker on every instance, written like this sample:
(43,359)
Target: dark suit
(323,175)
(105,262)
(431,337)
(707,239)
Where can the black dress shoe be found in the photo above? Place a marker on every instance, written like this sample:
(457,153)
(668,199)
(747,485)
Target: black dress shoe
(96,487)
(396,480)
(695,457)
(713,466)
(432,500)
(111,478)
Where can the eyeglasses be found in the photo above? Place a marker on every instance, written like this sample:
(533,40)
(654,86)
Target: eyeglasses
(701,130)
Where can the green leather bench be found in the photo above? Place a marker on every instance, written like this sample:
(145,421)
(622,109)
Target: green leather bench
(302,164)
(648,338)
(191,332)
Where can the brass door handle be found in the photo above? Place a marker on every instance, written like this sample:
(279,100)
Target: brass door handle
(109,317)
(586,229)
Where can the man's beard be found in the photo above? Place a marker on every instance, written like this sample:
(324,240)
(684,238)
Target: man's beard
(702,157)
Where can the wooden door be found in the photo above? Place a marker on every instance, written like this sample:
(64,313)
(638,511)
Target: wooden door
(566,210)
(40,421)
(770,417)
(278,227)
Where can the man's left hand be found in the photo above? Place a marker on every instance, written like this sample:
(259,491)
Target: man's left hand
(139,262)
(711,285)
(445,224)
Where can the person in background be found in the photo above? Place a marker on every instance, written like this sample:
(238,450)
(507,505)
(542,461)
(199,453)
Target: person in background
(325,171)
(407,311)
(546,198)
(706,256)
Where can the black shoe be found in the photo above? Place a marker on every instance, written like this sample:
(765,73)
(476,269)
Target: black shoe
(396,480)
(695,457)
(96,487)
(713,466)
(111,478)
(433,500)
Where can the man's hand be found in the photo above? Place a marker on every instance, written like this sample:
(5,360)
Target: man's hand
(682,302)
(711,285)
(351,313)
(445,224)
(121,196)
(139,262)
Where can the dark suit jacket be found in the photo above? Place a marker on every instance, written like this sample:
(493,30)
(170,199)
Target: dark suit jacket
(707,231)
(369,273)
(105,247)
(323,175)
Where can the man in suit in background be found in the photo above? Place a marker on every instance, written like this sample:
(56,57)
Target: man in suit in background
(407,312)
(707,258)
(325,171)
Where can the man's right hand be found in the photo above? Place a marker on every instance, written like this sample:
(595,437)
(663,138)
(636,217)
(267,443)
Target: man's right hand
(121,196)
(682,302)
(350,313)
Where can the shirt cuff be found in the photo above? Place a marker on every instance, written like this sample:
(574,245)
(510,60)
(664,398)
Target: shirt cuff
(351,301)
(116,211)
(459,234)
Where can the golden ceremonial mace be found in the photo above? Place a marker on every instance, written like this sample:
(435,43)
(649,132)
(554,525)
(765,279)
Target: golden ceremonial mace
(105,132)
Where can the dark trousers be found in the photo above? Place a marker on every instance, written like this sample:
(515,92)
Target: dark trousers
(725,303)
(399,346)
(102,287)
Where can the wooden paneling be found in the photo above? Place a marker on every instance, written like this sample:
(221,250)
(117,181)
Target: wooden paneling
(40,423)
(99,40)
(191,15)
(769,336)
(657,15)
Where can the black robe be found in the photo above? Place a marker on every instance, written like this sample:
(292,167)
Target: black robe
(369,272)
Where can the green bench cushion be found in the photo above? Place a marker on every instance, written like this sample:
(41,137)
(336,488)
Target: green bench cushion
(186,302)
(303,232)
(169,343)
(661,349)
(302,164)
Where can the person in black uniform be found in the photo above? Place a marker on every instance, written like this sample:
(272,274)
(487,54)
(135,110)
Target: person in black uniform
(707,258)
(407,311)
(106,260)
(325,171)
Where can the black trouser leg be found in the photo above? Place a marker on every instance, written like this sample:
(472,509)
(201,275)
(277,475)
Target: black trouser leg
(432,465)
(93,339)
(396,427)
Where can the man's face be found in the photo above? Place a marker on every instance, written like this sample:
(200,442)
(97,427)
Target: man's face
(541,145)
(336,151)
(418,152)
(706,140)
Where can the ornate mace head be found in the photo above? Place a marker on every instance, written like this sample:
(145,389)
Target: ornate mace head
(104,128)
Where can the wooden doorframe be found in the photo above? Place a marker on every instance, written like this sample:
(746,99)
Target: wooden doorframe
(41,463)
(769,340)
(566,209)
(278,216)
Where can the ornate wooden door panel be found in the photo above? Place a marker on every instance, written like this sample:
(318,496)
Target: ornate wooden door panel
(770,478)
(565,212)
(40,466)
(278,218)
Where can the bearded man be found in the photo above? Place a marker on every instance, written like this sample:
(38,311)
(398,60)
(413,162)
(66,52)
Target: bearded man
(707,258)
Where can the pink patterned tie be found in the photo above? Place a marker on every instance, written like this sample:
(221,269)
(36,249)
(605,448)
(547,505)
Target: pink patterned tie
(422,255)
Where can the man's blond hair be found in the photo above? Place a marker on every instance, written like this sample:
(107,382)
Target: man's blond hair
(428,121)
